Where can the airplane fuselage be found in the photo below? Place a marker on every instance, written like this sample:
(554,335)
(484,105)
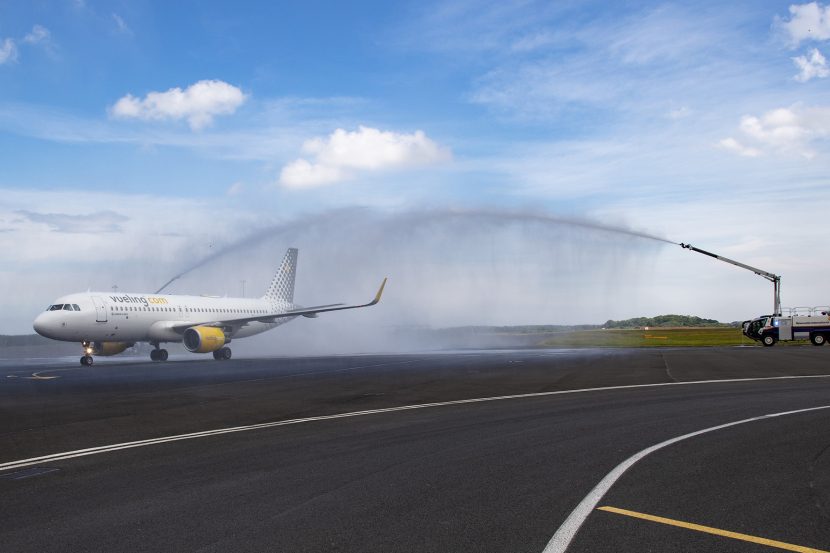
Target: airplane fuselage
(120,317)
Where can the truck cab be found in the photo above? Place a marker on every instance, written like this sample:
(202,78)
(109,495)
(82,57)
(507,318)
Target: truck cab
(761,330)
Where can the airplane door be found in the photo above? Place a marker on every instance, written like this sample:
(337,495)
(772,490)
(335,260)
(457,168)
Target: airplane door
(100,309)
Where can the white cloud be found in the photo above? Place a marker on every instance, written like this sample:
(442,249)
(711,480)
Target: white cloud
(782,130)
(39,34)
(8,51)
(235,189)
(680,113)
(344,153)
(533,41)
(92,223)
(733,145)
(808,22)
(647,60)
(302,174)
(812,67)
(121,25)
(198,103)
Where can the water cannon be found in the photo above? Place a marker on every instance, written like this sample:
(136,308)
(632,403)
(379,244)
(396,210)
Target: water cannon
(775,279)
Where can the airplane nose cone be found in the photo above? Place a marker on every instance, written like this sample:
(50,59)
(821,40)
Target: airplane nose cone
(41,326)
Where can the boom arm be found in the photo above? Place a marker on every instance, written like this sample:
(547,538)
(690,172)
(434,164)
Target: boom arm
(775,279)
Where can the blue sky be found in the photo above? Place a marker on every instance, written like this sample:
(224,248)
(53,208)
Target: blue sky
(188,125)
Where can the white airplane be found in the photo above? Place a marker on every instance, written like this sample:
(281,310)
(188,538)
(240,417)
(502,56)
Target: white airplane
(107,324)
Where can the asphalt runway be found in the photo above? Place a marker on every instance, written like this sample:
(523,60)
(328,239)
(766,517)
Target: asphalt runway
(418,452)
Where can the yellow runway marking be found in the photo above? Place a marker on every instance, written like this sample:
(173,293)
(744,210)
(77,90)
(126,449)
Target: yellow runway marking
(714,531)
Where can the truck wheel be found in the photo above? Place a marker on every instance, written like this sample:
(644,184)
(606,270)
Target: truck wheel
(768,340)
(818,339)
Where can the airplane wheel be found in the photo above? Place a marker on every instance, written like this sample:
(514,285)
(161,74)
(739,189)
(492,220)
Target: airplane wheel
(217,354)
(162,355)
(226,353)
(154,355)
(86,360)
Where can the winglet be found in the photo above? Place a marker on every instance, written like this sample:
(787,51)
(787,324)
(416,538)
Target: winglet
(380,292)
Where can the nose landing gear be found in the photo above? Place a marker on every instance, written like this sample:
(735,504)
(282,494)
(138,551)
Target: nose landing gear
(87,360)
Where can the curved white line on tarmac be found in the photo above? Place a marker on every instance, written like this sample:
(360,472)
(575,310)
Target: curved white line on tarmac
(562,538)
(218,432)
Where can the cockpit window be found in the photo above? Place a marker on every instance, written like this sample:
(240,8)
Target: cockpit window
(75,305)
(67,307)
(56,307)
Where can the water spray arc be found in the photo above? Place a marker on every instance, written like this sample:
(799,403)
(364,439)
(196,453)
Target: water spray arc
(775,279)
(413,219)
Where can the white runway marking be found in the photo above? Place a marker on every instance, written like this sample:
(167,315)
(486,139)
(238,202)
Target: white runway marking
(218,432)
(565,534)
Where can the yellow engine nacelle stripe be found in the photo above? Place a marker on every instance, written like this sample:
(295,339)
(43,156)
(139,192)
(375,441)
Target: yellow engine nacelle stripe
(203,339)
(109,348)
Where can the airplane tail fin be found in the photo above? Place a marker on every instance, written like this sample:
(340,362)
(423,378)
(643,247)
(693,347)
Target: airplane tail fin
(282,286)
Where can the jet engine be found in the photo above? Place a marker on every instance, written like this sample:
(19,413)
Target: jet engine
(203,339)
(109,348)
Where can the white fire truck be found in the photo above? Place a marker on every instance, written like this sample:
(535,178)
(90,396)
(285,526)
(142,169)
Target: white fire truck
(798,323)
(801,323)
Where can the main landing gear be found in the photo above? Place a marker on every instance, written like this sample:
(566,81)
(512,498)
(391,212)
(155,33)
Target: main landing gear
(222,354)
(158,354)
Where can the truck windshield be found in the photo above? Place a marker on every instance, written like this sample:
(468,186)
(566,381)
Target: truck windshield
(754,327)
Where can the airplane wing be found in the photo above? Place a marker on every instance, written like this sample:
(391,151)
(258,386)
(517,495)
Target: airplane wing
(310,312)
